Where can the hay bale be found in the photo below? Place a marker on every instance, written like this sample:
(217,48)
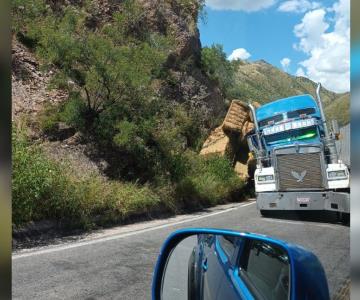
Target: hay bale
(241,170)
(217,142)
(229,139)
(236,116)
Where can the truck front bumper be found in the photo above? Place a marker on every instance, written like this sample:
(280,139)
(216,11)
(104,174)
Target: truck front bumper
(326,200)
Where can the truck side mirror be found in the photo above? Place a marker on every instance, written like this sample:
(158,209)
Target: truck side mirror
(252,148)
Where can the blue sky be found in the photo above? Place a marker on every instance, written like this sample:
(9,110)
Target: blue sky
(309,37)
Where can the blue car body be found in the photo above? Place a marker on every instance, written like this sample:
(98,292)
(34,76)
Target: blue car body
(307,279)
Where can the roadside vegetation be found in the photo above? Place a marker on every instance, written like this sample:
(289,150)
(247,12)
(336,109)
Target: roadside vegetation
(111,72)
(218,68)
(44,189)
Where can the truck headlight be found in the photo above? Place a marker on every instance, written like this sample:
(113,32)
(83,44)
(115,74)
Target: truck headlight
(339,174)
(265,178)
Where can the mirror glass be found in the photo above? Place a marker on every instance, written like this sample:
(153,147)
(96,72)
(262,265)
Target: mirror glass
(208,266)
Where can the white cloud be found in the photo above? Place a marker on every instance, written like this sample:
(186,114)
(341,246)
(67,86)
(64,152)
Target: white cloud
(239,53)
(310,30)
(298,6)
(300,72)
(328,51)
(285,63)
(244,5)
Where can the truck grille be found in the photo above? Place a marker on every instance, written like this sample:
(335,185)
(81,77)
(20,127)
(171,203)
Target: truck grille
(300,171)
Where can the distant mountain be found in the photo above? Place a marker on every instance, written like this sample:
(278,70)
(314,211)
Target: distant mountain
(262,82)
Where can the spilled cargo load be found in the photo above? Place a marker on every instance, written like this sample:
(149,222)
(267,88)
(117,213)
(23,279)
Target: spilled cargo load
(229,139)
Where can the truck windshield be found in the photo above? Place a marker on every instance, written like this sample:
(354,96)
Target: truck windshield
(293,135)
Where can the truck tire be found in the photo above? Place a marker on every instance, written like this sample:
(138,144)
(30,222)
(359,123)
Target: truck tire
(265,213)
(344,218)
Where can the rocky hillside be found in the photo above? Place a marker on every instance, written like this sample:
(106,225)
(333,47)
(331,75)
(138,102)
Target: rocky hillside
(110,106)
(30,84)
(186,82)
(262,82)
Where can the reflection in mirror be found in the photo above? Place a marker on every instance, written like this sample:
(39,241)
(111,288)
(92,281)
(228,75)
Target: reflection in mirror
(175,280)
(265,269)
(207,266)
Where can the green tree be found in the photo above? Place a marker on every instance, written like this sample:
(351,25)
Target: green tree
(217,67)
(97,68)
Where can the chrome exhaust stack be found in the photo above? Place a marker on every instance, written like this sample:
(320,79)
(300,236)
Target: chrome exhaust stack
(257,132)
(329,139)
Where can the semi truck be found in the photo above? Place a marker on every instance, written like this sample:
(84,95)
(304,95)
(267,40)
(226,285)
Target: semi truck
(297,162)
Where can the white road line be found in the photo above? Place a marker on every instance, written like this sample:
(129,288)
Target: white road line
(300,223)
(119,236)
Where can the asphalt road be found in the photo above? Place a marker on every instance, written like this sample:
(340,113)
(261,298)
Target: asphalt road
(118,263)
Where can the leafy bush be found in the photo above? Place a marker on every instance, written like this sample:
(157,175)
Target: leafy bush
(209,181)
(188,7)
(48,118)
(72,113)
(43,189)
(37,182)
(25,12)
(217,67)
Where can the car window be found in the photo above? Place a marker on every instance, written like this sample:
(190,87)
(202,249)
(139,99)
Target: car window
(227,243)
(265,269)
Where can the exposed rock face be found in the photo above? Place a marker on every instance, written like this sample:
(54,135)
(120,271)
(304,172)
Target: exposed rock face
(198,93)
(29,95)
(169,17)
(189,84)
(30,85)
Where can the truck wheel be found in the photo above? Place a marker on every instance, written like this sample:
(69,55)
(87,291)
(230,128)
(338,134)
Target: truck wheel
(344,218)
(264,213)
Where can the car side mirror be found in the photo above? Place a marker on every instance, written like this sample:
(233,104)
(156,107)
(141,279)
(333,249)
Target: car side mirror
(223,264)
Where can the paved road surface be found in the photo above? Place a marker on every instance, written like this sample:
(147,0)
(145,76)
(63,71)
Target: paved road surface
(118,263)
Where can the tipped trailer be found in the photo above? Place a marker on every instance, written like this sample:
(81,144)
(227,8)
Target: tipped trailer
(298,165)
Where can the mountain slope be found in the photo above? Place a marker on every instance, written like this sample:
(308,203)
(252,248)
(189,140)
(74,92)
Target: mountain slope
(339,109)
(262,82)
